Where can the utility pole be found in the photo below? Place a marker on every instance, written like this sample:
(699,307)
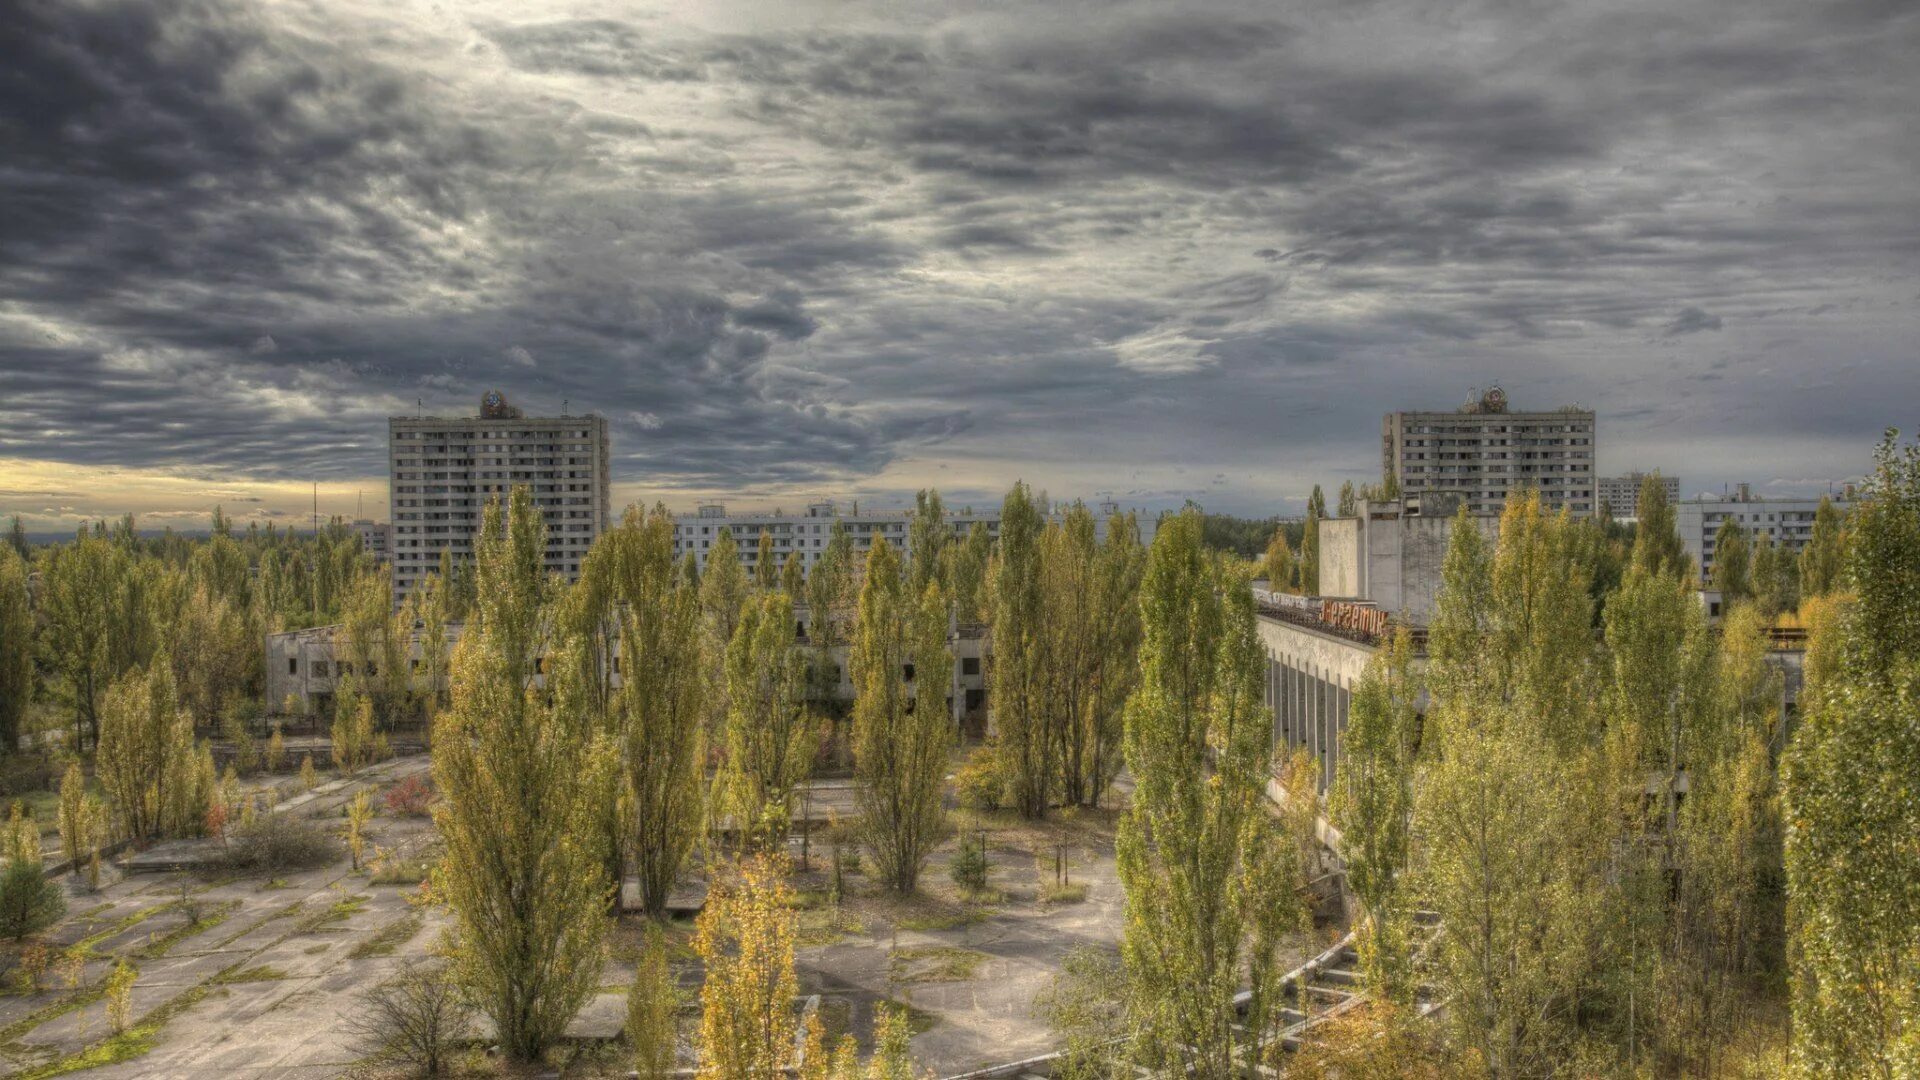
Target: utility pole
(316,508)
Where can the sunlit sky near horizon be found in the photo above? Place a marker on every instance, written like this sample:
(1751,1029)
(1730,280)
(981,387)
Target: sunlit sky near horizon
(1152,252)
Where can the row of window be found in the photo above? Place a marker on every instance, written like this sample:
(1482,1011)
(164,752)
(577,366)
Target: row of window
(1521,428)
(493,436)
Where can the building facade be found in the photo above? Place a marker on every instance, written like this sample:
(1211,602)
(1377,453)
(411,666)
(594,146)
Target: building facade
(375,539)
(1621,494)
(443,470)
(1390,557)
(806,534)
(305,668)
(1482,452)
(1787,522)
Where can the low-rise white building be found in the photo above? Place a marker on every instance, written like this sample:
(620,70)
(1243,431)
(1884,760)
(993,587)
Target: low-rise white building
(305,667)
(806,534)
(1787,522)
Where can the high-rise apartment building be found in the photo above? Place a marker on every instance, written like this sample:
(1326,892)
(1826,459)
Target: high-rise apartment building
(1621,494)
(1480,453)
(444,469)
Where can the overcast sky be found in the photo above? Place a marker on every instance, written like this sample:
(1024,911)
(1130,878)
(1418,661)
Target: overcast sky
(1156,251)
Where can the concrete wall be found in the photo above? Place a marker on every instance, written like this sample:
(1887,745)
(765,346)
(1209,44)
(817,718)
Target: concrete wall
(1340,557)
(1390,558)
(1310,680)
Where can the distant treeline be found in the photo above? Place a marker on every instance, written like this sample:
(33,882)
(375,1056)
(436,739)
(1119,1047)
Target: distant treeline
(1247,537)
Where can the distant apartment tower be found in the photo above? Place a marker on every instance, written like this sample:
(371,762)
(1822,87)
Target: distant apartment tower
(1621,494)
(375,538)
(1787,522)
(1480,453)
(445,469)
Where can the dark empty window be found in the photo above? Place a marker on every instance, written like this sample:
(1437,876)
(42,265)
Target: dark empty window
(969,665)
(908,669)
(293,666)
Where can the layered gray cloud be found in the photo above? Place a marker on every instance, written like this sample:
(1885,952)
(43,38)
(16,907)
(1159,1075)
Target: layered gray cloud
(1136,249)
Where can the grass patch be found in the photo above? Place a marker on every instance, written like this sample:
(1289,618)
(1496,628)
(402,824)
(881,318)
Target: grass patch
(943,920)
(388,938)
(810,900)
(263,973)
(159,946)
(284,913)
(401,872)
(273,883)
(84,947)
(342,910)
(933,964)
(825,926)
(1063,894)
(131,1043)
(77,1000)
(314,950)
(919,1021)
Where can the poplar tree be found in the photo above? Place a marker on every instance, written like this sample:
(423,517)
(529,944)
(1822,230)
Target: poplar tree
(16,648)
(661,711)
(520,778)
(147,761)
(78,604)
(1196,848)
(652,1004)
(1278,567)
(1372,803)
(745,937)
(1732,556)
(793,576)
(1852,804)
(375,638)
(1349,504)
(928,537)
(723,588)
(1310,544)
(829,586)
(967,577)
(1115,671)
(1774,577)
(429,607)
(1017,690)
(901,732)
(1823,561)
(216,653)
(1511,850)
(769,734)
(1657,547)
(765,567)
(1070,646)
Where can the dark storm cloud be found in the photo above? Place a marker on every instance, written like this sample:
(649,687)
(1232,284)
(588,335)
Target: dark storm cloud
(1691,321)
(1223,237)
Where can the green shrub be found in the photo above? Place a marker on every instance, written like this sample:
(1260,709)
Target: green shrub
(29,902)
(980,784)
(275,842)
(969,865)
